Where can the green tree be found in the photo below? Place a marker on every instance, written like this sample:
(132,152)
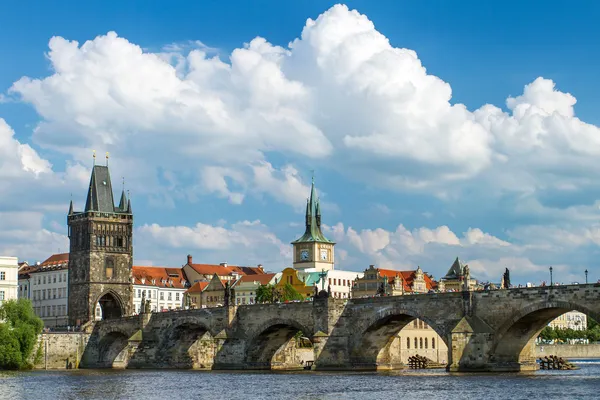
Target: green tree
(290,293)
(18,333)
(264,294)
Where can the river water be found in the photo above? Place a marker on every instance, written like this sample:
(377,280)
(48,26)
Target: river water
(425,384)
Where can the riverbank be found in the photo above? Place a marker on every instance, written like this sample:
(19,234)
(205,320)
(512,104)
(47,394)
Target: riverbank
(585,351)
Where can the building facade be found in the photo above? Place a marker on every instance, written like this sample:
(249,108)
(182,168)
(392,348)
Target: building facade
(163,287)
(458,278)
(572,320)
(9,281)
(389,282)
(101,253)
(204,272)
(245,288)
(313,251)
(418,338)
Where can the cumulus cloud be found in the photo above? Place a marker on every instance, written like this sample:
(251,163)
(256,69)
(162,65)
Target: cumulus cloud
(340,96)
(242,243)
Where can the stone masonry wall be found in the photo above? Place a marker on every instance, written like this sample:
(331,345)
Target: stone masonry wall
(59,350)
(569,350)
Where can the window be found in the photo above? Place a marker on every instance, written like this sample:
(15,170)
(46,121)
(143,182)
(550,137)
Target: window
(1,295)
(416,323)
(2,276)
(433,343)
(408,343)
(44,279)
(162,295)
(177,296)
(109,267)
(169,297)
(420,343)
(59,278)
(53,278)
(416,344)
(425,342)
(44,294)
(54,293)
(54,311)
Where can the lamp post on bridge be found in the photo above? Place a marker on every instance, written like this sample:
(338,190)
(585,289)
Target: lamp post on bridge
(551,283)
(586,274)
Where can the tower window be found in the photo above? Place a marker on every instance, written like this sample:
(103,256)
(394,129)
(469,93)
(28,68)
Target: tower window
(119,242)
(109,268)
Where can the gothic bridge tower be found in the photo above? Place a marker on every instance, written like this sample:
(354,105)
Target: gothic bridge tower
(100,254)
(313,249)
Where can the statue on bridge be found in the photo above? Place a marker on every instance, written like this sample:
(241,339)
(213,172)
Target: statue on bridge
(227,298)
(143,303)
(506,279)
(466,279)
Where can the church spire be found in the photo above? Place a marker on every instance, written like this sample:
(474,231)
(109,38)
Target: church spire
(312,218)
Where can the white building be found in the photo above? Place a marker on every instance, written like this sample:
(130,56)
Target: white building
(337,281)
(9,270)
(47,286)
(164,287)
(245,287)
(572,320)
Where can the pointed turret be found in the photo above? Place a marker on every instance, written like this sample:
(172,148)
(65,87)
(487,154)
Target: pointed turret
(71,208)
(308,215)
(123,202)
(129,206)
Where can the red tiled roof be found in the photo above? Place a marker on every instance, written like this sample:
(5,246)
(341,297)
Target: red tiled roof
(197,287)
(263,279)
(210,269)
(56,259)
(222,270)
(407,278)
(162,276)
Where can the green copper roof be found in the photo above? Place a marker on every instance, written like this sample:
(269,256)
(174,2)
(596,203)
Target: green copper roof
(456,270)
(312,218)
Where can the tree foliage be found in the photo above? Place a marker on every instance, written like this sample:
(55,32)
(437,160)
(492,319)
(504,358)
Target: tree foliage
(289,293)
(592,333)
(265,294)
(18,333)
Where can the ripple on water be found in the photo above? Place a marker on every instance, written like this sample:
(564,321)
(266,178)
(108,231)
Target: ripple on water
(429,384)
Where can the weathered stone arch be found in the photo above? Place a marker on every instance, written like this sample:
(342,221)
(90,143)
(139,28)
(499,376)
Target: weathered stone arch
(514,341)
(112,349)
(187,344)
(111,304)
(370,344)
(270,337)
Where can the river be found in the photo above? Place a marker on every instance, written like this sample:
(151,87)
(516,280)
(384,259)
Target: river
(412,384)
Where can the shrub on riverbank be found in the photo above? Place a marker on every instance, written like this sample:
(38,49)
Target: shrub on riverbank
(19,328)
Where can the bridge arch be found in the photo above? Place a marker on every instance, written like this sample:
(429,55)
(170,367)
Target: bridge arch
(189,344)
(270,346)
(514,344)
(371,345)
(112,349)
(111,305)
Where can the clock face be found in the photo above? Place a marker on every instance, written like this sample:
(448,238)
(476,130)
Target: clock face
(304,255)
(324,254)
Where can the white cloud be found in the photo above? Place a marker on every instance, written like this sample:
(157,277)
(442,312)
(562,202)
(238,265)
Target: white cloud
(244,242)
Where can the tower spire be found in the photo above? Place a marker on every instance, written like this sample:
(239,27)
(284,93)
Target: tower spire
(123,202)
(71,207)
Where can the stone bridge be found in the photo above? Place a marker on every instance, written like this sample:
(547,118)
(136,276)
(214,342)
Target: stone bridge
(484,331)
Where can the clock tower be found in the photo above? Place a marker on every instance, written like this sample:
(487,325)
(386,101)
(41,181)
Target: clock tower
(313,249)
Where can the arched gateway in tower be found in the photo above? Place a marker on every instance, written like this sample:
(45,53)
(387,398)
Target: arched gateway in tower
(100,254)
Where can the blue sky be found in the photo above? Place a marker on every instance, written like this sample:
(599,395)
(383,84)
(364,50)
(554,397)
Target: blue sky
(216,132)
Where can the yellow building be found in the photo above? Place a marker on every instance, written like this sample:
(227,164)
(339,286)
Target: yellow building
(418,338)
(297,280)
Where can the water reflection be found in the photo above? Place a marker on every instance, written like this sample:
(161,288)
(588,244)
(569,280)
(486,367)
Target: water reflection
(411,384)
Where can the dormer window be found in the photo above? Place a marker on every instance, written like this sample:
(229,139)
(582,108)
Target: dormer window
(143,280)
